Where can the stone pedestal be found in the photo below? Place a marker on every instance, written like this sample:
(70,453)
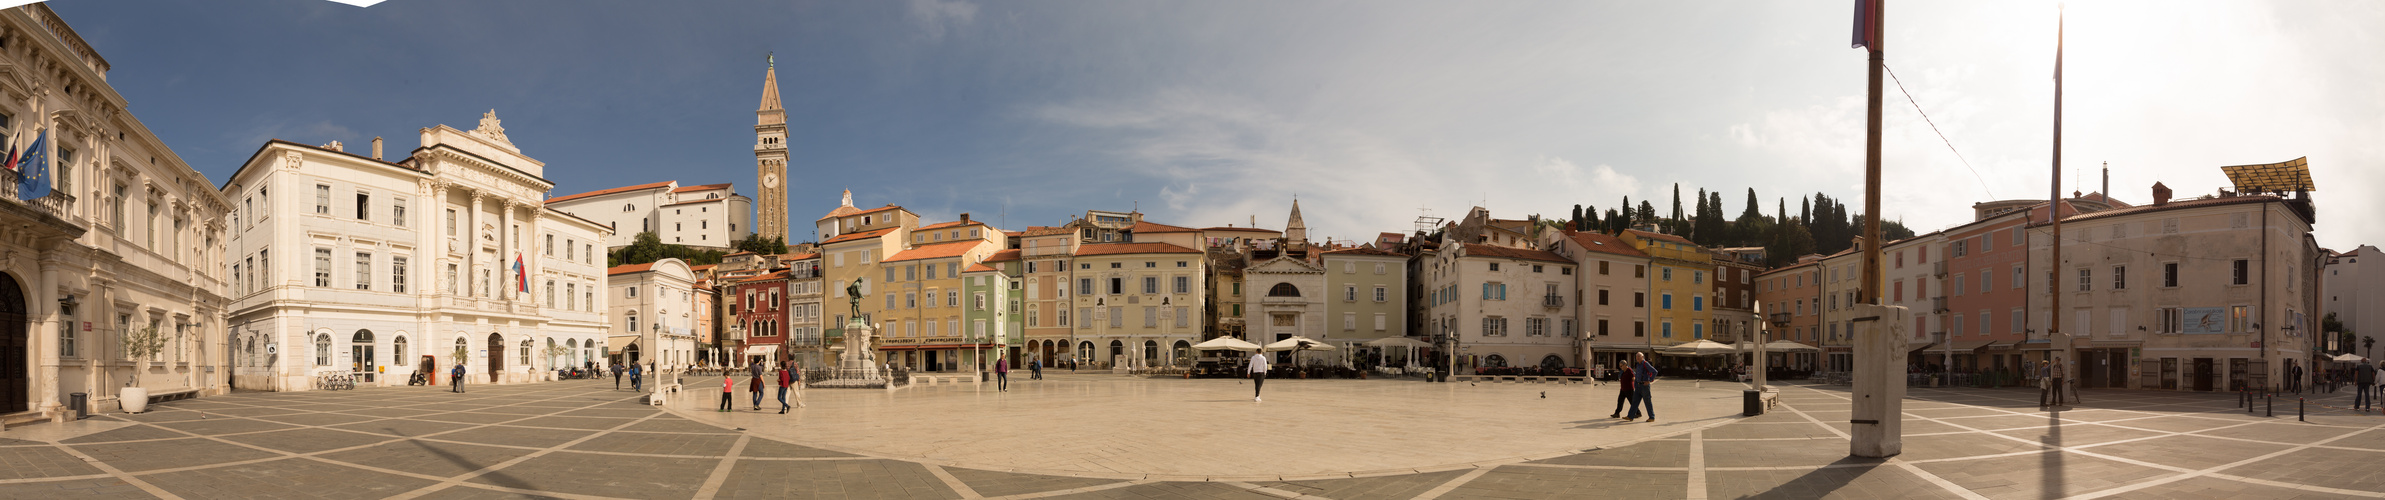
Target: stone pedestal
(854,367)
(1879,405)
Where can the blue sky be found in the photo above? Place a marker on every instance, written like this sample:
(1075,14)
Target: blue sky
(1212,112)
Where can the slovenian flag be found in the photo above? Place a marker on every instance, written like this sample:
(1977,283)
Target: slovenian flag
(33,170)
(521,280)
(1867,29)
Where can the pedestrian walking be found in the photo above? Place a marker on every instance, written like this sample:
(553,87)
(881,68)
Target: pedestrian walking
(728,385)
(786,378)
(1035,369)
(637,378)
(1643,374)
(1258,374)
(2061,379)
(2364,378)
(1625,393)
(1002,375)
(616,376)
(798,369)
(457,378)
(755,385)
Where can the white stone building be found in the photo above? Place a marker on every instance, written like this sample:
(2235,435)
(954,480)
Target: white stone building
(130,238)
(350,264)
(652,309)
(709,216)
(1505,306)
(2355,292)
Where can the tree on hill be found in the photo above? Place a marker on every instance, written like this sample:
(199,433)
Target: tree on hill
(645,248)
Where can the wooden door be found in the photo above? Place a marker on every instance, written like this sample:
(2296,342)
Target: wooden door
(2203,374)
(496,348)
(15,379)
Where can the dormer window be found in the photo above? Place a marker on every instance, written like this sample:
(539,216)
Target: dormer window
(632,207)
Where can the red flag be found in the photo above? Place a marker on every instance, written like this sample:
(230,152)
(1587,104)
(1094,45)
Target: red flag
(1867,25)
(12,157)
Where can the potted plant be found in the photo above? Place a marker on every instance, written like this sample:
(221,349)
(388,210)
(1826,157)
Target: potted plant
(140,345)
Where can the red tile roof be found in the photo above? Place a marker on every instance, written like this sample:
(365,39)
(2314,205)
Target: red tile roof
(1365,251)
(1660,236)
(935,251)
(1046,231)
(1003,256)
(630,268)
(1130,248)
(980,268)
(1243,229)
(625,189)
(942,225)
(857,236)
(801,256)
(702,267)
(1481,250)
(1153,227)
(683,189)
(1604,243)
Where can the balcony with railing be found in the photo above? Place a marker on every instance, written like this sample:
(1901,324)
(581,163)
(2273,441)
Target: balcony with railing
(56,209)
(1778,318)
(1938,304)
(1938,268)
(1552,301)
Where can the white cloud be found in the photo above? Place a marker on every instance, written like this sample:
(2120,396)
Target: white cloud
(935,18)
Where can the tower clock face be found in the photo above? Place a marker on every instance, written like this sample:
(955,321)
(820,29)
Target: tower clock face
(770,180)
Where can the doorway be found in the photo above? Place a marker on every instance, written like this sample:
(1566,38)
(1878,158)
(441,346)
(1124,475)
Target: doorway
(360,356)
(2116,362)
(496,348)
(15,380)
(2202,374)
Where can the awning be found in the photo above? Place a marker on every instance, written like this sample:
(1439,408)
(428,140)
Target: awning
(761,350)
(1917,346)
(934,347)
(1972,345)
(2035,345)
(1622,347)
(615,343)
(2104,344)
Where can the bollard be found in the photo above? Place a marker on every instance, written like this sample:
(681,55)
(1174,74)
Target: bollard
(2301,410)
(2272,408)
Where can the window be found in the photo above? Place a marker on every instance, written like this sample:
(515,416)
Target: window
(1639,328)
(2169,275)
(551,294)
(397,277)
(1602,328)
(1085,287)
(1494,266)
(2239,318)
(589,304)
(1602,268)
(364,206)
(2240,272)
(633,321)
(1697,277)
(1986,280)
(1117,286)
(1349,293)
(910,301)
(1117,316)
(323,267)
(451,223)
(1666,329)
(1697,303)
(1494,327)
(2086,279)
(1380,268)
(1697,330)
(1962,247)
(2018,278)
(1183,284)
(1602,296)
(322,350)
(1382,294)
(1667,274)
(1639,270)
(1536,327)
(397,212)
(2172,319)
(1639,299)
(1958,285)
(952,298)
(1667,301)
(2019,318)
(364,270)
(1237,289)
(1150,284)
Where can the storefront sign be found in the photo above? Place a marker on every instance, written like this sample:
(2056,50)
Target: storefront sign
(2204,320)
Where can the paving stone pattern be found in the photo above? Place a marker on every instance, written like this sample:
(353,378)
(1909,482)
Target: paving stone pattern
(584,440)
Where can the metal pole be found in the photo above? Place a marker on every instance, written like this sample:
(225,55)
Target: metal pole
(2054,201)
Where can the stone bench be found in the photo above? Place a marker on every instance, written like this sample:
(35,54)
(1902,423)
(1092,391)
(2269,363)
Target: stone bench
(940,379)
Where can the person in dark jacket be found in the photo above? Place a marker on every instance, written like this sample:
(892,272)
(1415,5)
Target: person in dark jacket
(1626,392)
(2364,378)
(457,375)
(1002,374)
(1642,375)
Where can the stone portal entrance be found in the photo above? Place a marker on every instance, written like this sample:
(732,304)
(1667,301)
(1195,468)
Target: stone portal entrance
(496,348)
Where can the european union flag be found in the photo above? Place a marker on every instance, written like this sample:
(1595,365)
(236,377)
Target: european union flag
(33,172)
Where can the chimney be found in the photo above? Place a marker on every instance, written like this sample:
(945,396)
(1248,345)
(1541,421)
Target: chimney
(2107,183)
(376,148)
(2161,194)
(964,218)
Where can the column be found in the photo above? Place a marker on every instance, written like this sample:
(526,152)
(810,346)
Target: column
(44,295)
(506,235)
(471,236)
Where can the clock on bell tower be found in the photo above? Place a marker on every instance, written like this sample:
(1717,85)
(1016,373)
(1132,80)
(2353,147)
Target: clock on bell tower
(770,159)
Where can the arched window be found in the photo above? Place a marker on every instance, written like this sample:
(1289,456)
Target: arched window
(525,356)
(1182,351)
(462,348)
(1552,361)
(1494,361)
(1117,348)
(397,350)
(633,321)
(1283,290)
(1150,350)
(323,350)
(631,207)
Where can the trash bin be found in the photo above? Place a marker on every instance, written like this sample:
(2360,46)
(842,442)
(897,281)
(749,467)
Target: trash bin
(81,403)
(1753,402)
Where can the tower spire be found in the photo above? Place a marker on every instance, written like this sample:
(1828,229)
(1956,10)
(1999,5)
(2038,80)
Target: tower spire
(770,108)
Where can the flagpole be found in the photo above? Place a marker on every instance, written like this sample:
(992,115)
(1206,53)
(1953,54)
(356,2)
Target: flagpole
(1869,293)
(2054,200)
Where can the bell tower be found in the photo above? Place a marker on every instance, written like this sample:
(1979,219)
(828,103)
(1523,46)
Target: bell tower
(770,158)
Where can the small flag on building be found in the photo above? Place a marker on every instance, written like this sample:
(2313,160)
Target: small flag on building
(1867,29)
(33,170)
(521,280)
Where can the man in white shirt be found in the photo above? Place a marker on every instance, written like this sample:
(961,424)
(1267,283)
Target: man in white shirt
(1258,374)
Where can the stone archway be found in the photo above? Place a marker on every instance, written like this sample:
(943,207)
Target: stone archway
(15,380)
(496,348)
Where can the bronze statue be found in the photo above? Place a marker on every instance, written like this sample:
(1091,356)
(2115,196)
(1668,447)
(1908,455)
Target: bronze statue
(853,292)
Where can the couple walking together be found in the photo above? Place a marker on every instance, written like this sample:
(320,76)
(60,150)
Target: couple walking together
(1635,380)
(790,377)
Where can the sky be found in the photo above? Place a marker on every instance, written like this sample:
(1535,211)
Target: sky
(1215,112)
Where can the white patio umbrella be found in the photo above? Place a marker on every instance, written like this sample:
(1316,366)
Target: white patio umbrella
(1789,346)
(1700,348)
(1409,343)
(2349,357)
(1297,344)
(1226,343)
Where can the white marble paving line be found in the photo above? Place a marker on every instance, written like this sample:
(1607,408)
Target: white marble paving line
(460,478)
(1073,491)
(720,472)
(120,475)
(2075,449)
(2208,471)
(1452,485)
(1941,482)
(1263,490)
(966,492)
(1697,465)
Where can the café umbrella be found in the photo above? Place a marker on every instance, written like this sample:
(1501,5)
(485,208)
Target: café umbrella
(1226,343)
(1297,344)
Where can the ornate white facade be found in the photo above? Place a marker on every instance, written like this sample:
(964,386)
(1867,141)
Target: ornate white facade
(129,239)
(348,264)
